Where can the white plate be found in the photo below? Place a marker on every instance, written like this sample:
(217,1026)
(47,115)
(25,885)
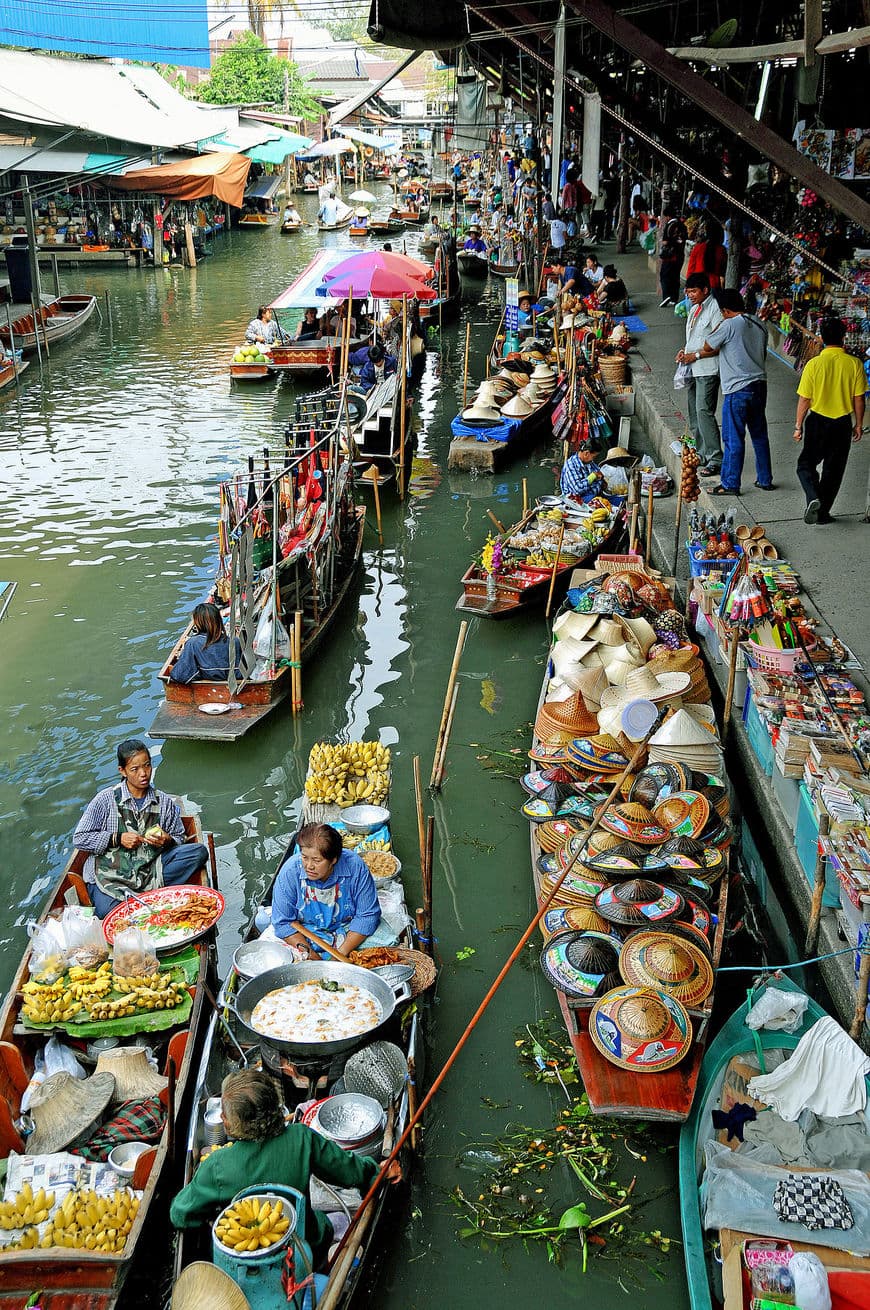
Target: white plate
(214,707)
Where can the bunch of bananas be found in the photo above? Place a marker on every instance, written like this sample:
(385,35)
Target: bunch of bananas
(155,982)
(252,1225)
(555,514)
(88,1222)
(89,984)
(26,1209)
(138,999)
(49,1005)
(347,774)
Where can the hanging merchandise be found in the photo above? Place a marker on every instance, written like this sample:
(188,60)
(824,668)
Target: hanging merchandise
(690,486)
(271,639)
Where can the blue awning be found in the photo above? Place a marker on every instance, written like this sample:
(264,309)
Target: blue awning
(275,152)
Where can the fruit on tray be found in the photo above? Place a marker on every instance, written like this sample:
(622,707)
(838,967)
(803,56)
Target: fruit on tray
(252,1224)
(249,355)
(88,1222)
(27,1208)
(83,995)
(348,773)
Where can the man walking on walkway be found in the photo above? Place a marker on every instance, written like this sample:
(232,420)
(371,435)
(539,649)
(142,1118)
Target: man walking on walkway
(830,411)
(702,387)
(741,344)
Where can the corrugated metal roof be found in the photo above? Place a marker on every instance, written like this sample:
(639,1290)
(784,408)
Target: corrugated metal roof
(174,34)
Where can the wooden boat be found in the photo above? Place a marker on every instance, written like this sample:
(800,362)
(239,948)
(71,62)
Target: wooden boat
(518,587)
(318,591)
(9,368)
(80,1279)
(441,190)
(726,1059)
(307,357)
(290,226)
(505,270)
(359,231)
(343,221)
(310,190)
(386,225)
(413,216)
(255,221)
(59,318)
(472,263)
(662,1096)
(514,439)
(222,1054)
(250,371)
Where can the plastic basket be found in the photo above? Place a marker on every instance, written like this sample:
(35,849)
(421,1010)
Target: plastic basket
(770,659)
(700,567)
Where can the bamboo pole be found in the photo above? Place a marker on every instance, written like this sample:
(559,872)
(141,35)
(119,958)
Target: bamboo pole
(525,497)
(555,569)
(377,495)
(412,1103)
(451,682)
(818,889)
(442,759)
(861,995)
(428,861)
(418,805)
(465,365)
(297,626)
(501,527)
(732,674)
(649,523)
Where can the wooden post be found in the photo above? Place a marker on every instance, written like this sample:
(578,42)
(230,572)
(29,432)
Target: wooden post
(35,314)
(555,568)
(297,626)
(189,247)
(448,698)
(818,889)
(465,367)
(861,995)
(498,523)
(56,274)
(377,494)
(732,673)
(649,522)
(677,525)
(428,862)
(418,805)
(12,347)
(525,497)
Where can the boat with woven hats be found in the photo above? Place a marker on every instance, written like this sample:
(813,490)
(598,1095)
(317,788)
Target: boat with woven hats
(641,1029)
(656,959)
(600,753)
(635,823)
(77,1121)
(683,813)
(581,964)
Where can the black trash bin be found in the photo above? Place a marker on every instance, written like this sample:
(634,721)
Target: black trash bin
(18,268)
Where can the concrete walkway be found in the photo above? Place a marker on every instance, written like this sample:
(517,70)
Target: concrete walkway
(834,560)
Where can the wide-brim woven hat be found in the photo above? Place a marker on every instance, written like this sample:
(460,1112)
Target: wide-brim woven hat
(65,1108)
(641,683)
(135,1078)
(683,729)
(670,964)
(577,626)
(643,633)
(635,823)
(203,1286)
(516,407)
(483,414)
(607,632)
(618,455)
(583,964)
(640,1028)
(684,813)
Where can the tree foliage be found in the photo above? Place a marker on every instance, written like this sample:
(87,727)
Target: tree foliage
(248,73)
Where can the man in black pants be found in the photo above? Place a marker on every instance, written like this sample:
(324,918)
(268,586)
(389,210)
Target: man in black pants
(830,410)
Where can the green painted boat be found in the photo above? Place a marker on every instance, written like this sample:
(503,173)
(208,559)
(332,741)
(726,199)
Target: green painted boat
(733,1039)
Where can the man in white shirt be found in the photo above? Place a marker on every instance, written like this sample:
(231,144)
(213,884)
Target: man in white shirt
(702,388)
(558,234)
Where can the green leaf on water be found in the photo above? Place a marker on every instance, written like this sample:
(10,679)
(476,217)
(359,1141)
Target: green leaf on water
(574,1217)
(468,1232)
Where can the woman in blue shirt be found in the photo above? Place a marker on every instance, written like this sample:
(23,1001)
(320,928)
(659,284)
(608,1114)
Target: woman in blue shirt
(326,889)
(205,655)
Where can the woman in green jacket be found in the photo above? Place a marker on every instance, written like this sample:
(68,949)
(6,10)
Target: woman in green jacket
(265,1151)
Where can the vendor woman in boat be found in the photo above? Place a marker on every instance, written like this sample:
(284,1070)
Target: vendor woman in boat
(265,1150)
(134,836)
(326,889)
(205,655)
(261,330)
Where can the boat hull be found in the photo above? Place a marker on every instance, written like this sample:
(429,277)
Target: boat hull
(249,372)
(472,265)
(292,227)
(258,222)
(59,318)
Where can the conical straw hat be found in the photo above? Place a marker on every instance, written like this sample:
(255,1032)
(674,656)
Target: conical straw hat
(670,964)
(135,1079)
(682,730)
(203,1286)
(516,407)
(558,690)
(640,1028)
(65,1108)
(571,624)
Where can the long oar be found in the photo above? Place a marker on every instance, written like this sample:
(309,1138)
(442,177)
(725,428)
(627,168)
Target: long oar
(583,837)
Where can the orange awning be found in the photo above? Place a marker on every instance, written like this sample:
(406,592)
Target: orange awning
(221,175)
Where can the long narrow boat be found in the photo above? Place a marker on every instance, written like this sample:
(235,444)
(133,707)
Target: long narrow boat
(519,586)
(256,222)
(342,221)
(472,263)
(9,368)
(732,1058)
(371,425)
(505,270)
(307,291)
(290,226)
(58,318)
(224,1047)
(383,226)
(76,1279)
(315,579)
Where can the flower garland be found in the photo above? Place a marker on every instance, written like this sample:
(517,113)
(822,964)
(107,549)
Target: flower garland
(492,556)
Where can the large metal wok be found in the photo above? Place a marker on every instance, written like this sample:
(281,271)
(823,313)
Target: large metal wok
(327,971)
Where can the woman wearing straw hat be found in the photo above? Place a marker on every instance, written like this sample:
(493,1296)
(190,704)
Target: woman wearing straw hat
(134,835)
(264,1150)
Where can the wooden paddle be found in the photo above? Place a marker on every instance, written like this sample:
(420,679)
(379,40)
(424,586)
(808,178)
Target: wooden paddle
(320,943)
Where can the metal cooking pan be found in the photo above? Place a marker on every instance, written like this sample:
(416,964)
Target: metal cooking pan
(325,970)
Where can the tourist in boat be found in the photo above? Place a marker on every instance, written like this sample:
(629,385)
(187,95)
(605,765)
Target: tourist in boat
(261,330)
(334,322)
(326,889)
(474,242)
(134,835)
(265,1150)
(205,655)
(361,218)
(309,329)
(328,212)
(432,230)
(291,214)
(524,309)
(612,292)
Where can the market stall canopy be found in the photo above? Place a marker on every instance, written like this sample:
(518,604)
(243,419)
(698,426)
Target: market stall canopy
(339,146)
(221,176)
(383,143)
(33,158)
(117,101)
(275,152)
(308,290)
(262,144)
(382,274)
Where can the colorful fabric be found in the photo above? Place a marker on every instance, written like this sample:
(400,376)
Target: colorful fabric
(135,1121)
(814,1200)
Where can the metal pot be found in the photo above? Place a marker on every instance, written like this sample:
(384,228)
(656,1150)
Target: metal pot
(327,971)
(260,956)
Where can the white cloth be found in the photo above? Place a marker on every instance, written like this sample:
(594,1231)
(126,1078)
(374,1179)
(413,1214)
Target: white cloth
(825,1074)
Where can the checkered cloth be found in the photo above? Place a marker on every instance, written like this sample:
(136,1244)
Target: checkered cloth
(579,479)
(134,1121)
(813,1200)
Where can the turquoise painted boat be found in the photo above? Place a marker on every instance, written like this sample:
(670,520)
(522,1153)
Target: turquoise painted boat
(715,1281)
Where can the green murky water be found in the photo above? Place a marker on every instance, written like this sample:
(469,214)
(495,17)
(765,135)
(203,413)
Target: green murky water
(110,465)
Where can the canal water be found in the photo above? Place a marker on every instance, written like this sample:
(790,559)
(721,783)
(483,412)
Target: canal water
(111,460)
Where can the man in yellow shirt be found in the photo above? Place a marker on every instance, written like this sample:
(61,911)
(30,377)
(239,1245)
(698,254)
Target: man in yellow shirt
(830,410)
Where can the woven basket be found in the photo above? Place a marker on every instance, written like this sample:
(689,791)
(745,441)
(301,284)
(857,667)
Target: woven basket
(614,369)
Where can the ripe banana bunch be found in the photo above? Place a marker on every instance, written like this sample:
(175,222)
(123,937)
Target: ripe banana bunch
(555,514)
(89,984)
(347,774)
(39,1008)
(26,1209)
(379,845)
(252,1225)
(137,1000)
(156,982)
(88,1222)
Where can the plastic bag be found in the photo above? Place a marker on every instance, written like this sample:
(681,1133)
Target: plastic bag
(55,1057)
(811,1291)
(134,954)
(263,635)
(778,1011)
(86,944)
(647,241)
(681,308)
(681,377)
(47,951)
